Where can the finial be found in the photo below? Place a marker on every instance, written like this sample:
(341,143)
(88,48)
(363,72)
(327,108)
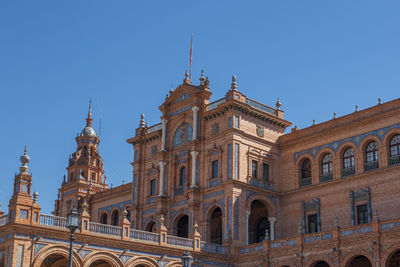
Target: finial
(379,101)
(313,122)
(142,123)
(112,185)
(356,108)
(147,125)
(84,206)
(24,160)
(162,220)
(105,179)
(266,235)
(124,213)
(195,227)
(89,117)
(171,90)
(187,79)
(202,79)
(334,115)
(64,180)
(278,104)
(234,84)
(123,182)
(207,83)
(35,196)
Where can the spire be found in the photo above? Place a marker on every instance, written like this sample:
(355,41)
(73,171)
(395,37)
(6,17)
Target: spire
(142,123)
(24,160)
(278,104)
(89,117)
(234,84)
(187,79)
(202,79)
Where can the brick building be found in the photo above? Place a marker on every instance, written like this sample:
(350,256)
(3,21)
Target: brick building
(223,181)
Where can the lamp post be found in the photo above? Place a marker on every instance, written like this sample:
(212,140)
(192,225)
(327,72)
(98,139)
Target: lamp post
(187,259)
(72,224)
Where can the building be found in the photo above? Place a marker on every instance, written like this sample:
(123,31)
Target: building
(223,181)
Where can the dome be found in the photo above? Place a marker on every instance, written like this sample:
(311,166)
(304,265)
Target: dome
(88,131)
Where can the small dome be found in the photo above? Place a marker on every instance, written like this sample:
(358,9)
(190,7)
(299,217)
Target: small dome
(88,131)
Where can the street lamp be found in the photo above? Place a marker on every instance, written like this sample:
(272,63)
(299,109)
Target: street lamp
(187,259)
(72,224)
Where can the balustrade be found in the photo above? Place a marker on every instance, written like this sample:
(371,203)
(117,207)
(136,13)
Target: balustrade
(371,165)
(144,236)
(53,221)
(179,241)
(348,171)
(104,229)
(213,248)
(394,160)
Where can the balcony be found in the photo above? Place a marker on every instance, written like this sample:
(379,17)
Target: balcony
(325,177)
(348,172)
(179,190)
(305,182)
(371,166)
(394,160)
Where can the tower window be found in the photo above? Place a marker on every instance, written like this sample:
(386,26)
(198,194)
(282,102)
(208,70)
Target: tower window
(371,152)
(312,224)
(214,173)
(153,187)
(265,170)
(362,214)
(182,178)
(254,167)
(348,158)
(236,121)
(306,169)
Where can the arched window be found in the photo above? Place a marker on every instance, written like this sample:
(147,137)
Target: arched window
(182,227)
(258,222)
(215,226)
(182,176)
(326,164)
(104,218)
(371,156)
(395,146)
(306,169)
(151,227)
(115,218)
(348,162)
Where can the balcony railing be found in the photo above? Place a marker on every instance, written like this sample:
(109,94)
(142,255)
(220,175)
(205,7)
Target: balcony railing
(325,177)
(348,172)
(215,104)
(144,236)
(305,182)
(371,165)
(213,248)
(3,220)
(394,160)
(179,190)
(154,128)
(104,229)
(179,241)
(260,106)
(53,221)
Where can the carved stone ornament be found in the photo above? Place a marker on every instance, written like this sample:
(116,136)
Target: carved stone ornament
(361,194)
(260,131)
(313,204)
(215,128)
(154,150)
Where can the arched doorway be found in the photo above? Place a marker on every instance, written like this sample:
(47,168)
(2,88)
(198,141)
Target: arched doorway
(54,260)
(100,263)
(359,261)
(258,222)
(115,218)
(182,226)
(215,226)
(104,218)
(150,227)
(321,264)
(394,260)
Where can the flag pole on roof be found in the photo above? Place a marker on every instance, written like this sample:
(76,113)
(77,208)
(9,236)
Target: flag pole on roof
(190,60)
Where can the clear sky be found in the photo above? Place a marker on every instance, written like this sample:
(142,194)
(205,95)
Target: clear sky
(318,57)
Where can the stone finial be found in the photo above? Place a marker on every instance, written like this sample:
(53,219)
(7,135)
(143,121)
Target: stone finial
(125,213)
(379,101)
(35,196)
(24,160)
(105,179)
(356,108)
(123,181)
(84,206)
(202,79)
(195,227)
(266,237)
(162,220)
(234,84)
(336,222)
(142,123)
(313,122)
(334,115)
(64,180)
(171,90)
(278,104)
(207,83)
(187,79)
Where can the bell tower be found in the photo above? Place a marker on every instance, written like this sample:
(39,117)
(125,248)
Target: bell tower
(85,171)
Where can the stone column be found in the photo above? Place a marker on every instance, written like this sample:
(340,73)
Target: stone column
(194,156)
(272,227)
(195,110)
(247,226)
(163,134)
(161,182)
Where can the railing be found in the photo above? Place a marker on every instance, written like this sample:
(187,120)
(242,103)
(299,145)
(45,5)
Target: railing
(215,104)
(4,220)
(371,165)
(260,106)
(179,190)
(144,236)
(305,182)
(104,229)
(261,183)
(394,160)
(348,172)
(179,241)
(325,177)
(154,128)
(213,248)
(53,221)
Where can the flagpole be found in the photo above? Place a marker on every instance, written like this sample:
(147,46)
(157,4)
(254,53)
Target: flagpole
(191,53)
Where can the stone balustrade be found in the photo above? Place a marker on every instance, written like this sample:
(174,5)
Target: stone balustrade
(53,221)
(144,236)
(104,229)
(179,241)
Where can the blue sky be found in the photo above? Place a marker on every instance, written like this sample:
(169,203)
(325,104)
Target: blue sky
(318,57)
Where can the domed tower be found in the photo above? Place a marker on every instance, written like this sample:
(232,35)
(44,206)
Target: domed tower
(85,171)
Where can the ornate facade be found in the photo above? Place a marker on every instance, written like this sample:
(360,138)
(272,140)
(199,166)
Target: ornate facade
(222,180)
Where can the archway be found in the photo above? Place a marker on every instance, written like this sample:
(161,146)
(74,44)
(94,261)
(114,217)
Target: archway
(359,261)
(54,260)
(394,260)
(182,226)
(258,222)
(115,218)
(321,264)
(100,263)
(104,218)
(150,227)
(215,226)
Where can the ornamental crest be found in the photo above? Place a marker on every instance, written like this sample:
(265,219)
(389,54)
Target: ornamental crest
(215,128)
(260,131)
(154,150)
(313,204)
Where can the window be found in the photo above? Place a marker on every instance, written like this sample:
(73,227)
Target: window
(229,122)
(115,218)
(182,176)
(362,214)
(103,218)
(312,224)
(153,187)
(306,169)
(254,167)
(236,121)
(265,171)
(371,152)
(348,158)
(93,177)
(214,173)
(395,146)
(326,164)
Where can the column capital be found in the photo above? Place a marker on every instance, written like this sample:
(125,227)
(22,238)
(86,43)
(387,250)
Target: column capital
(164,121)
(194,153)
(162,164)
(195,109)
(271,219)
